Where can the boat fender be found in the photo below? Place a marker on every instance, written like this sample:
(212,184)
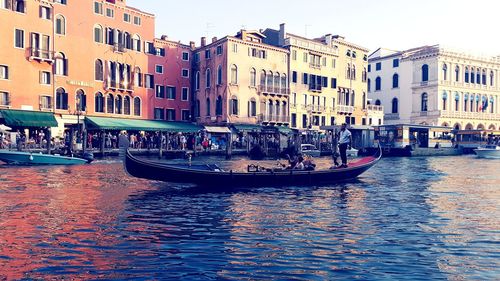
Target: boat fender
(31,157)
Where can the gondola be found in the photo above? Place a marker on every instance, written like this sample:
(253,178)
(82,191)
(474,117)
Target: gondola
(212,175)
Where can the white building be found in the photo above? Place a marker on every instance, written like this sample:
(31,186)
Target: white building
(435,86)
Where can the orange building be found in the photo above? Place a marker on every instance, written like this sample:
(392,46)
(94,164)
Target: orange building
(89,58)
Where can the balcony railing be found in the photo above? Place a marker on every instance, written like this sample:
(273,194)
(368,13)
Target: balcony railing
(119,48)
(347,109)
(42,55)
(316,108)
(118,86)
(271,118)
(391,116)
(371,107)
(263,89)
(470,115)
(315,87)
(314,65)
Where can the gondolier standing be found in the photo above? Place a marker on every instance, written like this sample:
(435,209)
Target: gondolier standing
(345,141)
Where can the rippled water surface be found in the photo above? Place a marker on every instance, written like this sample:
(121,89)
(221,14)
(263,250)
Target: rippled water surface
(405,219)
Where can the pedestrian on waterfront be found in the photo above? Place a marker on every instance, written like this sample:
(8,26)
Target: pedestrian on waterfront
(345,142)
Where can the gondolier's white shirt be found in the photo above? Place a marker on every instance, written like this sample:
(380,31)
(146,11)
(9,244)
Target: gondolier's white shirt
(344,137)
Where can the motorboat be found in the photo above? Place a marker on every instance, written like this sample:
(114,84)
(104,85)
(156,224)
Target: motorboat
(214,176)
(490,151)
(32,159)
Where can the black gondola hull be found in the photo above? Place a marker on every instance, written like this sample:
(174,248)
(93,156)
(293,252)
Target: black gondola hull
(184,174)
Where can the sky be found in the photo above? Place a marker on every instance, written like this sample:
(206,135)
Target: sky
(470,26)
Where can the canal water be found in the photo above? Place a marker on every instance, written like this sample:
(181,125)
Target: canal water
(405,219)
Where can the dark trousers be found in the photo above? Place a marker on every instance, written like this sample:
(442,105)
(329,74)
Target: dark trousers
(343,152)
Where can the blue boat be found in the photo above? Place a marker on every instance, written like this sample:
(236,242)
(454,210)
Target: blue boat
(31,159)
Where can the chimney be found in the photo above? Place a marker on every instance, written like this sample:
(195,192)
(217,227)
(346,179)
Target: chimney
(203,41)
(214,39)
(164,37)
(192,45)
(282,35)
(328,39)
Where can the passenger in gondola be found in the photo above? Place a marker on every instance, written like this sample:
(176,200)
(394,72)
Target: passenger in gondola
(309,164)
(300,164)
(292,161)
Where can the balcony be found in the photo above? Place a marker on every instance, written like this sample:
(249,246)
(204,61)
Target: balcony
(119,48)
(270,90)
(114,85)
(314,65)
(391,116)
(271,118)
(316,108)
(41,55)
(371,107)
(345,109)
(470,115)
(315,87)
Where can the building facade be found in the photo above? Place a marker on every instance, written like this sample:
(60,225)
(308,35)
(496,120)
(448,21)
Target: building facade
(435,86)
(89,58)
(328,80)
(240,80)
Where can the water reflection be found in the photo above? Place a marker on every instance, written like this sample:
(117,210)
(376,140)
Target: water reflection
(404,219)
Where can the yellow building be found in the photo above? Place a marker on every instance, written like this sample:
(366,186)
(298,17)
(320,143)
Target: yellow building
(327,80)
(240,80)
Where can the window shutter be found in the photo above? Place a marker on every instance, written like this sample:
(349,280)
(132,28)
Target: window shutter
(231,106)
(175,92)
(40,77)
(248,109)
(65,100)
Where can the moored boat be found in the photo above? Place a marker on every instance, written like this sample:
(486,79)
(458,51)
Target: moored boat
(212,175)
(488,151)
(31,159)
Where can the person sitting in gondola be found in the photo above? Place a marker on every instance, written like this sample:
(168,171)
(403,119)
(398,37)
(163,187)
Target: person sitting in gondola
(292,162)
(300,164)
(309,164)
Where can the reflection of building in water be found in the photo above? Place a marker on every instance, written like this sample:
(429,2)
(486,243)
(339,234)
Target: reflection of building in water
(431,85)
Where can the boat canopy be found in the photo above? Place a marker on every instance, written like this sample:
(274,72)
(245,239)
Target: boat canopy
(28,119)
(106,123)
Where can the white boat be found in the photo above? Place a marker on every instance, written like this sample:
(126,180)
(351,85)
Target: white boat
(309,149)
(488,151)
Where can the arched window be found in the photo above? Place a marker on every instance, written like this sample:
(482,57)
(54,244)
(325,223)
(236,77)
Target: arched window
(219,75)
(137,106)
(424,102)
(234,74)
(136,43)
(457,101)
(369,85)
(483,80)
(284,84)
(353,72)
(466,102)
(126,105)
(378,84)
(466,75)
(99,102)
(208,107)
(445,72)
(99,70)
(492,78)
(492,103)
(81,100)
(395,80)
(127,41)
(364,75)
(118,104)
(60,25)
(233,106)
(208,78)
(395,105)
(377,102)
(197,80)
(276,82)
(61,64)
(425,73)
(252,109)
(472,75)
(445,100)
(98,34)
(269,82)
(61,99)
(263,78)
(253,77)
(478,76)
(110,104)
(137,77)
(457,73)
(218,106)
(348,72)
(277,109)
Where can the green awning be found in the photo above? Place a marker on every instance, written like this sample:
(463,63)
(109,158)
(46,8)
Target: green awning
(284,130)
(28,119)
(247,127)
(117,124)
